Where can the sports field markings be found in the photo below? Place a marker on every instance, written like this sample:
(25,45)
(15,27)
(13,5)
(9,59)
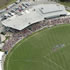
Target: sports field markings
(24,41)
(54,62)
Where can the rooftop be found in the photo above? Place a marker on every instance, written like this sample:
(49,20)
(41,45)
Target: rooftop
(35,14)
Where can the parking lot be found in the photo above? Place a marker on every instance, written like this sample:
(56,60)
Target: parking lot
(14,9)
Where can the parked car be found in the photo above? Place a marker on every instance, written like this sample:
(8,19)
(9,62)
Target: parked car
(24,5)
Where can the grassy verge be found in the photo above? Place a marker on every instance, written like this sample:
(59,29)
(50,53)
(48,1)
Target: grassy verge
(65,3)
(6,4)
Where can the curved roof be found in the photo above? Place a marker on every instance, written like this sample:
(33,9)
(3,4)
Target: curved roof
(35,14)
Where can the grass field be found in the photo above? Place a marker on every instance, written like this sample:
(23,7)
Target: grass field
(4,3)
(48,49)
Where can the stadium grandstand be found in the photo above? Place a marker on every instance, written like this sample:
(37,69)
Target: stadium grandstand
(24,18)
(33,15)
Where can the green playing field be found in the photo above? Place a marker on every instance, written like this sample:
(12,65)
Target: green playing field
(48,49)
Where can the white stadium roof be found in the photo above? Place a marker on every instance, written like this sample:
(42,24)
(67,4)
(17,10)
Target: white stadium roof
(1,55)
(35,14)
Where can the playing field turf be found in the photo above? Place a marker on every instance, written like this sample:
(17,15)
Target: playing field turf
(48,49)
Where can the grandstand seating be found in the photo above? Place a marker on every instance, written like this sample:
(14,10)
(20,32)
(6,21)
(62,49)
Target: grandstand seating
(32,28)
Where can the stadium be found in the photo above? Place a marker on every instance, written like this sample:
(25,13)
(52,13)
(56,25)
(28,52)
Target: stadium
(35,35)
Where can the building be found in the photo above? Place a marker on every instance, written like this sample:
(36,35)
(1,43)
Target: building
(1,55)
